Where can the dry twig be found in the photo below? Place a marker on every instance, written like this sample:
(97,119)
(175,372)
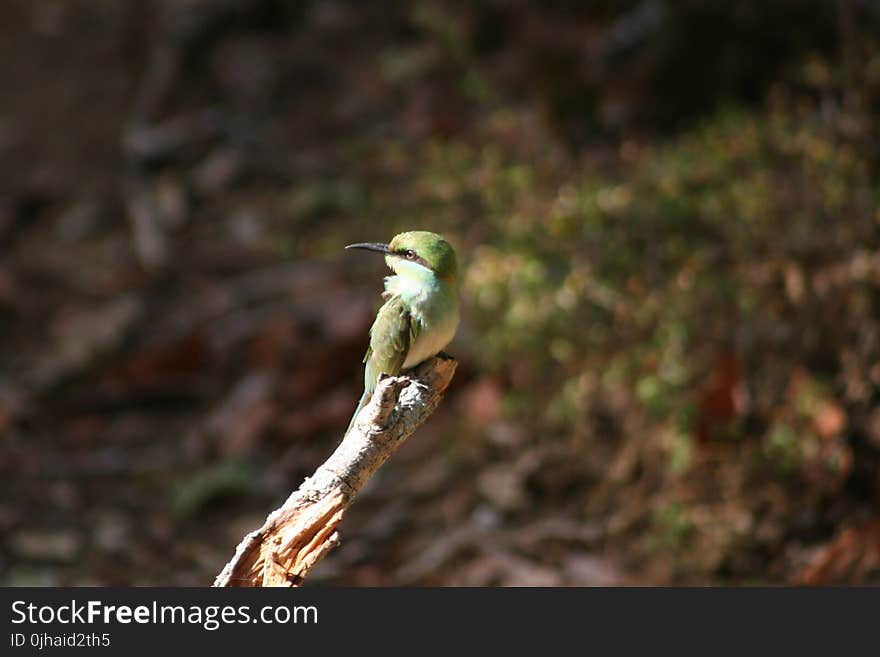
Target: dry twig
(301,532)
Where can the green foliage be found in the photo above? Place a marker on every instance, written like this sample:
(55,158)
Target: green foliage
(633,276)
(671,528)
(614,285)
(783,446)
(632,269)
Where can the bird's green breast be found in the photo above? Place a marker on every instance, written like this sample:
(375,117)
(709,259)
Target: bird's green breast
(437,332)
(433,303)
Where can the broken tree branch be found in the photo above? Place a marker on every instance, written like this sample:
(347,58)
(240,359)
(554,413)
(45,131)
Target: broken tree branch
(297,535)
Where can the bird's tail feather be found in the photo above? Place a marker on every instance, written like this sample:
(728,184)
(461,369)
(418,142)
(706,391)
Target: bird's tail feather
(363,402)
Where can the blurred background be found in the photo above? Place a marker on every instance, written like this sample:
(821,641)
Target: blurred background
(667,217)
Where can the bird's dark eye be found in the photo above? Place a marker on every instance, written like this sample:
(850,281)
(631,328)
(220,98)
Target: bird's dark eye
(410,254)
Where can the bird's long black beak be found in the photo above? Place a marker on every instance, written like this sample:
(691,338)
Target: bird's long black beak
(370,246)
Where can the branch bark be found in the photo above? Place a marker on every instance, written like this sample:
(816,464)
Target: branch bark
(298,534)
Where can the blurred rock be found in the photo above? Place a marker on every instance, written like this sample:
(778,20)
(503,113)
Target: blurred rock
(506,434)
(79,336)
(24,576)
(45,545)
(590,570)
(502,485)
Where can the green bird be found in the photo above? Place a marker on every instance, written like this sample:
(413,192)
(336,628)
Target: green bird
(420,313)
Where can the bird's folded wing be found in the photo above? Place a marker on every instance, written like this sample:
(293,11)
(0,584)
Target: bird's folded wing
(391,335)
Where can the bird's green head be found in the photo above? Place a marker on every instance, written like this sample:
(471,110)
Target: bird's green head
(417,249)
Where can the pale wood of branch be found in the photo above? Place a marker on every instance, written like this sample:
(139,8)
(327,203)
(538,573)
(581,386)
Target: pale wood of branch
(297,535)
